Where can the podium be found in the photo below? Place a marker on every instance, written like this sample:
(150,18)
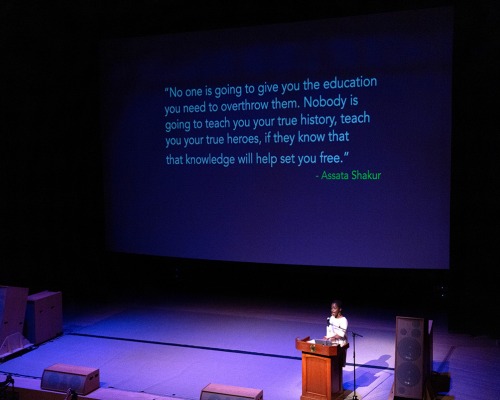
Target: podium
(321,369)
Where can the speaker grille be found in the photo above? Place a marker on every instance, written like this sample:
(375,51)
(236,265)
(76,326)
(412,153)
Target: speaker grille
(408,374)
(409,349)
(412,357)
(61,377)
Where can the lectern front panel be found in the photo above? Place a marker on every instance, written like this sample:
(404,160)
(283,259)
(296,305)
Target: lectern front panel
(317,378)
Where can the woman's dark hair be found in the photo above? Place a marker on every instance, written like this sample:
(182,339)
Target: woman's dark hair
(338,302)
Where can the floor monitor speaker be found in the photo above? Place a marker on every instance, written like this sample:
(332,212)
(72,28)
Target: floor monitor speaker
(61,377)
(214,391)
(413,361)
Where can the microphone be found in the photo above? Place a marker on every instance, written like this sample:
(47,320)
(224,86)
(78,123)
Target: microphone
(328,320)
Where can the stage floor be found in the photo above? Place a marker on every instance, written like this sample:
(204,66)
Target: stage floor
(172,347)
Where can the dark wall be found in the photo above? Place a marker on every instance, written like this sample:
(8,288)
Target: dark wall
(52,206)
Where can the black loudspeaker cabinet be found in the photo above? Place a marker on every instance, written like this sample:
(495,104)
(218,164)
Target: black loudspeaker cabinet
(12,309)
(61,377)
(413,364)
(44,320)
(215,391)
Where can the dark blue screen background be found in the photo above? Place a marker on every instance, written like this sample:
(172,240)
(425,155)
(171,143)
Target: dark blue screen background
(285,214)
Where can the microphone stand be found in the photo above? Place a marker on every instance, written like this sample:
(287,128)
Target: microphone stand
(354,334)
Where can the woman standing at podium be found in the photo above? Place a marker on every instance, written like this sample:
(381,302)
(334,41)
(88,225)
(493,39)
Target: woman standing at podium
(336,330)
